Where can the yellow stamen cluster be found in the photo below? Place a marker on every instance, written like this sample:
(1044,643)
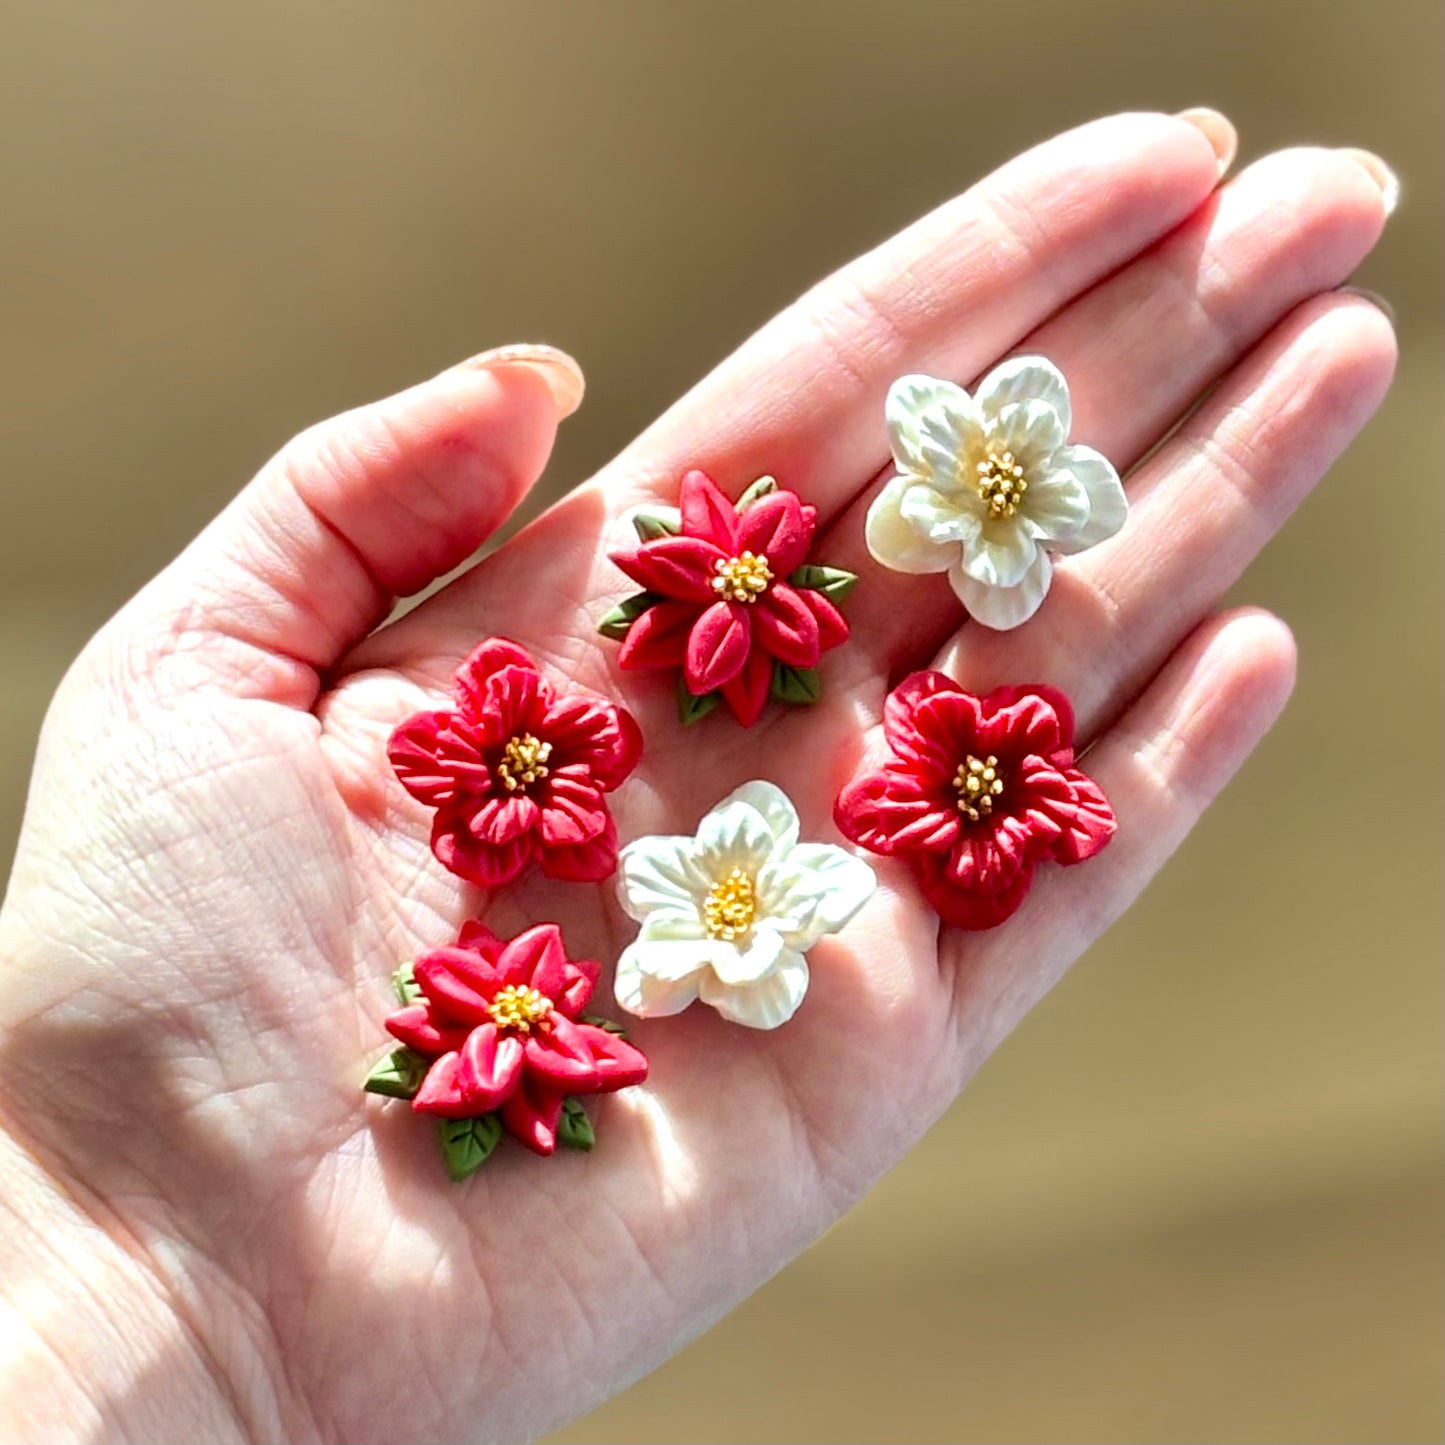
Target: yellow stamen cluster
(523,761)
(978,784)
(743,578)
(516,1007)
(730,907)
(1001,484)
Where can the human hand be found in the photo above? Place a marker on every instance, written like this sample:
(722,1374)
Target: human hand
(214,1234)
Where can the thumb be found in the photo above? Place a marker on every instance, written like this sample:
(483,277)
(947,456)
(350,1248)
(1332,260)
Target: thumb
(354,513)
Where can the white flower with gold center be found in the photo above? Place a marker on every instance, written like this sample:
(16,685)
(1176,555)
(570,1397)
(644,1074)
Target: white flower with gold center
(987,487)
(727,916)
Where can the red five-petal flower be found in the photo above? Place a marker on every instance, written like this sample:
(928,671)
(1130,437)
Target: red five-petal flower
(498,1023)
(517,771)
(976,792)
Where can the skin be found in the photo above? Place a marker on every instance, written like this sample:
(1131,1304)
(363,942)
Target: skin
(211,1233)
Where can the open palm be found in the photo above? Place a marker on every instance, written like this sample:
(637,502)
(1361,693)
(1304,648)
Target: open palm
(219,872)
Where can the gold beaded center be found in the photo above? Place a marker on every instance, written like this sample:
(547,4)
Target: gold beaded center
(523,761)
(743,578)
(730,907)
(1001,483)
(978,784)
(516,1007)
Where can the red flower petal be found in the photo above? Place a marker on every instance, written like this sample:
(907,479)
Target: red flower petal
(832,625)
(706,513)
(596,735)
(785,625)
(470,681)
(988,856)
(586,862)
(413,1026)
(1088,821)
(562,1058)
(460,982)
(491,1065)
(924,740)
(718,646)
(535,959)
(777,527)
(476,937)
(572,812)
(962,908)
(889,812)
(485,864)
(503,818)
(515,702)
(746,693)
(1023,720)
(431,766)
(440,1092)
(658,638)
(580,977)
(531,1114)
(619,1064)
(680,567)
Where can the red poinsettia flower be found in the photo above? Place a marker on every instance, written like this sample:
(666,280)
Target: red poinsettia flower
(517,771)
(976,792)
(499,1023)
(725,609)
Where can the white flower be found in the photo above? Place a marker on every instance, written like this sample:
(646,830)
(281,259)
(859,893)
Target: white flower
(728,915)
(987,487)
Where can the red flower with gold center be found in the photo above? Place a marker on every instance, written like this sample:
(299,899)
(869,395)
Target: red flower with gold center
(976,792)
(730,599)
(517,771)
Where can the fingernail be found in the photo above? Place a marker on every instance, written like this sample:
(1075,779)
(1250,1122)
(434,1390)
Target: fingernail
(1373,297)
(1217,130)
(562,373)
(1379,172)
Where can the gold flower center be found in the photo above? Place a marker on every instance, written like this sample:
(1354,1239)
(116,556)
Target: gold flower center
(1001,483)
(743,578)
(516,1007)
(978,784)
(524,761)
(730,907)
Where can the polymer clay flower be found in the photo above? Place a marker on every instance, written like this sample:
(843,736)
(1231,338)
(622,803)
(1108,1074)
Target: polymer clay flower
(987,487)
(517,771)
(727,916)
(493,1028)
(730,599)
(975,793)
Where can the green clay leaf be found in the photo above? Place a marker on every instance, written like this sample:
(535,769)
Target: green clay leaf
(833,582)
(617,622)
(610,1025)
(690,708)
(397,1076)
(650,527)
(574,1128)
(757,492)
(800,685)
(408,990)
(467,1144)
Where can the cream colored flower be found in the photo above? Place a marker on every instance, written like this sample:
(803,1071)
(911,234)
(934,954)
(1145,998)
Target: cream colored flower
(987,487)
(728,915)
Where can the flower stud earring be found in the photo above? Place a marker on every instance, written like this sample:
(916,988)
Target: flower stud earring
(987,486)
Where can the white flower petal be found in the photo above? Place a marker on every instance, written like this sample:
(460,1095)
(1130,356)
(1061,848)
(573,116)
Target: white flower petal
(674,958)
(909,399)
(1004,607)
(891,539)
(1025,378)
(1108,506)
(732,835)
(1031,430)
(818,887)
(1002,553)
(943,520)
(748,961)
(1056,507)
(762,1005)
(658,872)
(684,924)
(774,806)
(645,994)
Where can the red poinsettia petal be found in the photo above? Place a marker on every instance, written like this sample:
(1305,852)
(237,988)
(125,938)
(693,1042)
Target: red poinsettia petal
(414,1027)
(832,625)
(580,977)
(459,982)
(707,513)
(588,862)
(889,812)
(535,959)
(431,763)
(476,937)
(470,683)
(530,1114)
(679,567)
(485,864)
(658,638)
(1022,720)
(440,1093)
(503,818)
(963,908)
(778,529)
(491,1065)
(561,1056)
(619,1064)
(785,625)
(718,646)
(746,693)
(1086,819)
(593,734)
(572,812)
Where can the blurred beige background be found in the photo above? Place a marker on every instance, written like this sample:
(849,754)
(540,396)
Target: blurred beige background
(1198,1197)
